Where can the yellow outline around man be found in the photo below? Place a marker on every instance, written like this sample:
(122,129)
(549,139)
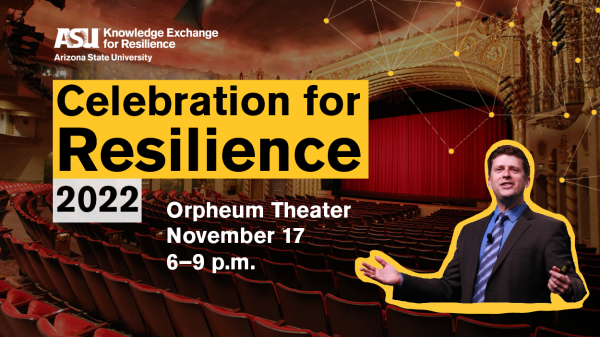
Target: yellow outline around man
(512,255)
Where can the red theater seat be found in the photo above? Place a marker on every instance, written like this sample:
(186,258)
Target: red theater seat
(151,304)
(58,276)
(6,330)
(220,288)
(317,280)
(593,301)
(545,332)
(24,264)
(284,273)
(281,255)
(265,328)
(135,264)
(259,251)
(159,273)
(78,285)
(395,250)
(181,251)
(303,309)
(353,289)
(355,319)
(125,303)
(107,333)
(100,254)
(255,270)
(65,325)
(86,250)
(100,295)
(367,246)
(405,323)
(32,254)
(312,261)
(344,244)
(577,322)
(258,298)
(426,263)
(188,282)
(466,327)
(22,325)
(344,253)
(406,261)
(187,316)
(339,265)
(224,323)
(162,248)
(4,288)
(145,244)
(117,262)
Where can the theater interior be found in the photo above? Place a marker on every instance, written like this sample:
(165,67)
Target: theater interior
(441,92)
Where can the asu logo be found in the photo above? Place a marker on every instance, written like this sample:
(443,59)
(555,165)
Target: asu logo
(77,38)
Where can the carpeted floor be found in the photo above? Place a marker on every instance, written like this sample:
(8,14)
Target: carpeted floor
(9,268)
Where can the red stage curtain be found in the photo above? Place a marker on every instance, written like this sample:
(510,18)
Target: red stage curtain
(406,156)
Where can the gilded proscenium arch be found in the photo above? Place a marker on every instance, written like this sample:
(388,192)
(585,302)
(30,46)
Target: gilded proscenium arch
(435,75)
(429,61)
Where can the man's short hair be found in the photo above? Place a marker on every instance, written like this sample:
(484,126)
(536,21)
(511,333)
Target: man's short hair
(508,150)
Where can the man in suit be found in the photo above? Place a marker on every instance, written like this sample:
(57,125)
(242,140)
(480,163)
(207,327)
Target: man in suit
(512,255)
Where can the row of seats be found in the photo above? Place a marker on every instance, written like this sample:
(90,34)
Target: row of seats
(186,281)
(330,295)
(123,302)
(37,227)
(424,260)
(223,289)
(416,259)
(4,199)
(145,309)
(16,188)
(23,314)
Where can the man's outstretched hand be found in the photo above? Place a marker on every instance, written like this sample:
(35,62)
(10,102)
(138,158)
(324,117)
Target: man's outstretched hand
(387,275)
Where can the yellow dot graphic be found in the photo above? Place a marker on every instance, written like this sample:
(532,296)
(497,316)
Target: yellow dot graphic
(390,73)
(451,151)
(562,180)
(492,115)
(326,20)
(554,43)
(597,9)
(578,60)
(458,4)
(456,53)
(512,24)
(594,112)
(567,115)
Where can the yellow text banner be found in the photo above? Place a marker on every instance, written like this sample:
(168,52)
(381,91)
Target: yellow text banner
(210,129)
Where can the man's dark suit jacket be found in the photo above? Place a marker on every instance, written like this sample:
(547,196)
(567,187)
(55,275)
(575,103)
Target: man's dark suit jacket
(520,275)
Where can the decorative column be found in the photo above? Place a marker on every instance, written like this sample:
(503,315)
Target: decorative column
(566,61)
(571,189)
(589,59)
(246,187)
(267,187)
(220,186)
(519,129)
(551,186)
(303,186)
(545,73)
(534,77)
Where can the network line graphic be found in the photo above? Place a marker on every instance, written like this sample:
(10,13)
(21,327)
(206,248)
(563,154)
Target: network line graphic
(453,10)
